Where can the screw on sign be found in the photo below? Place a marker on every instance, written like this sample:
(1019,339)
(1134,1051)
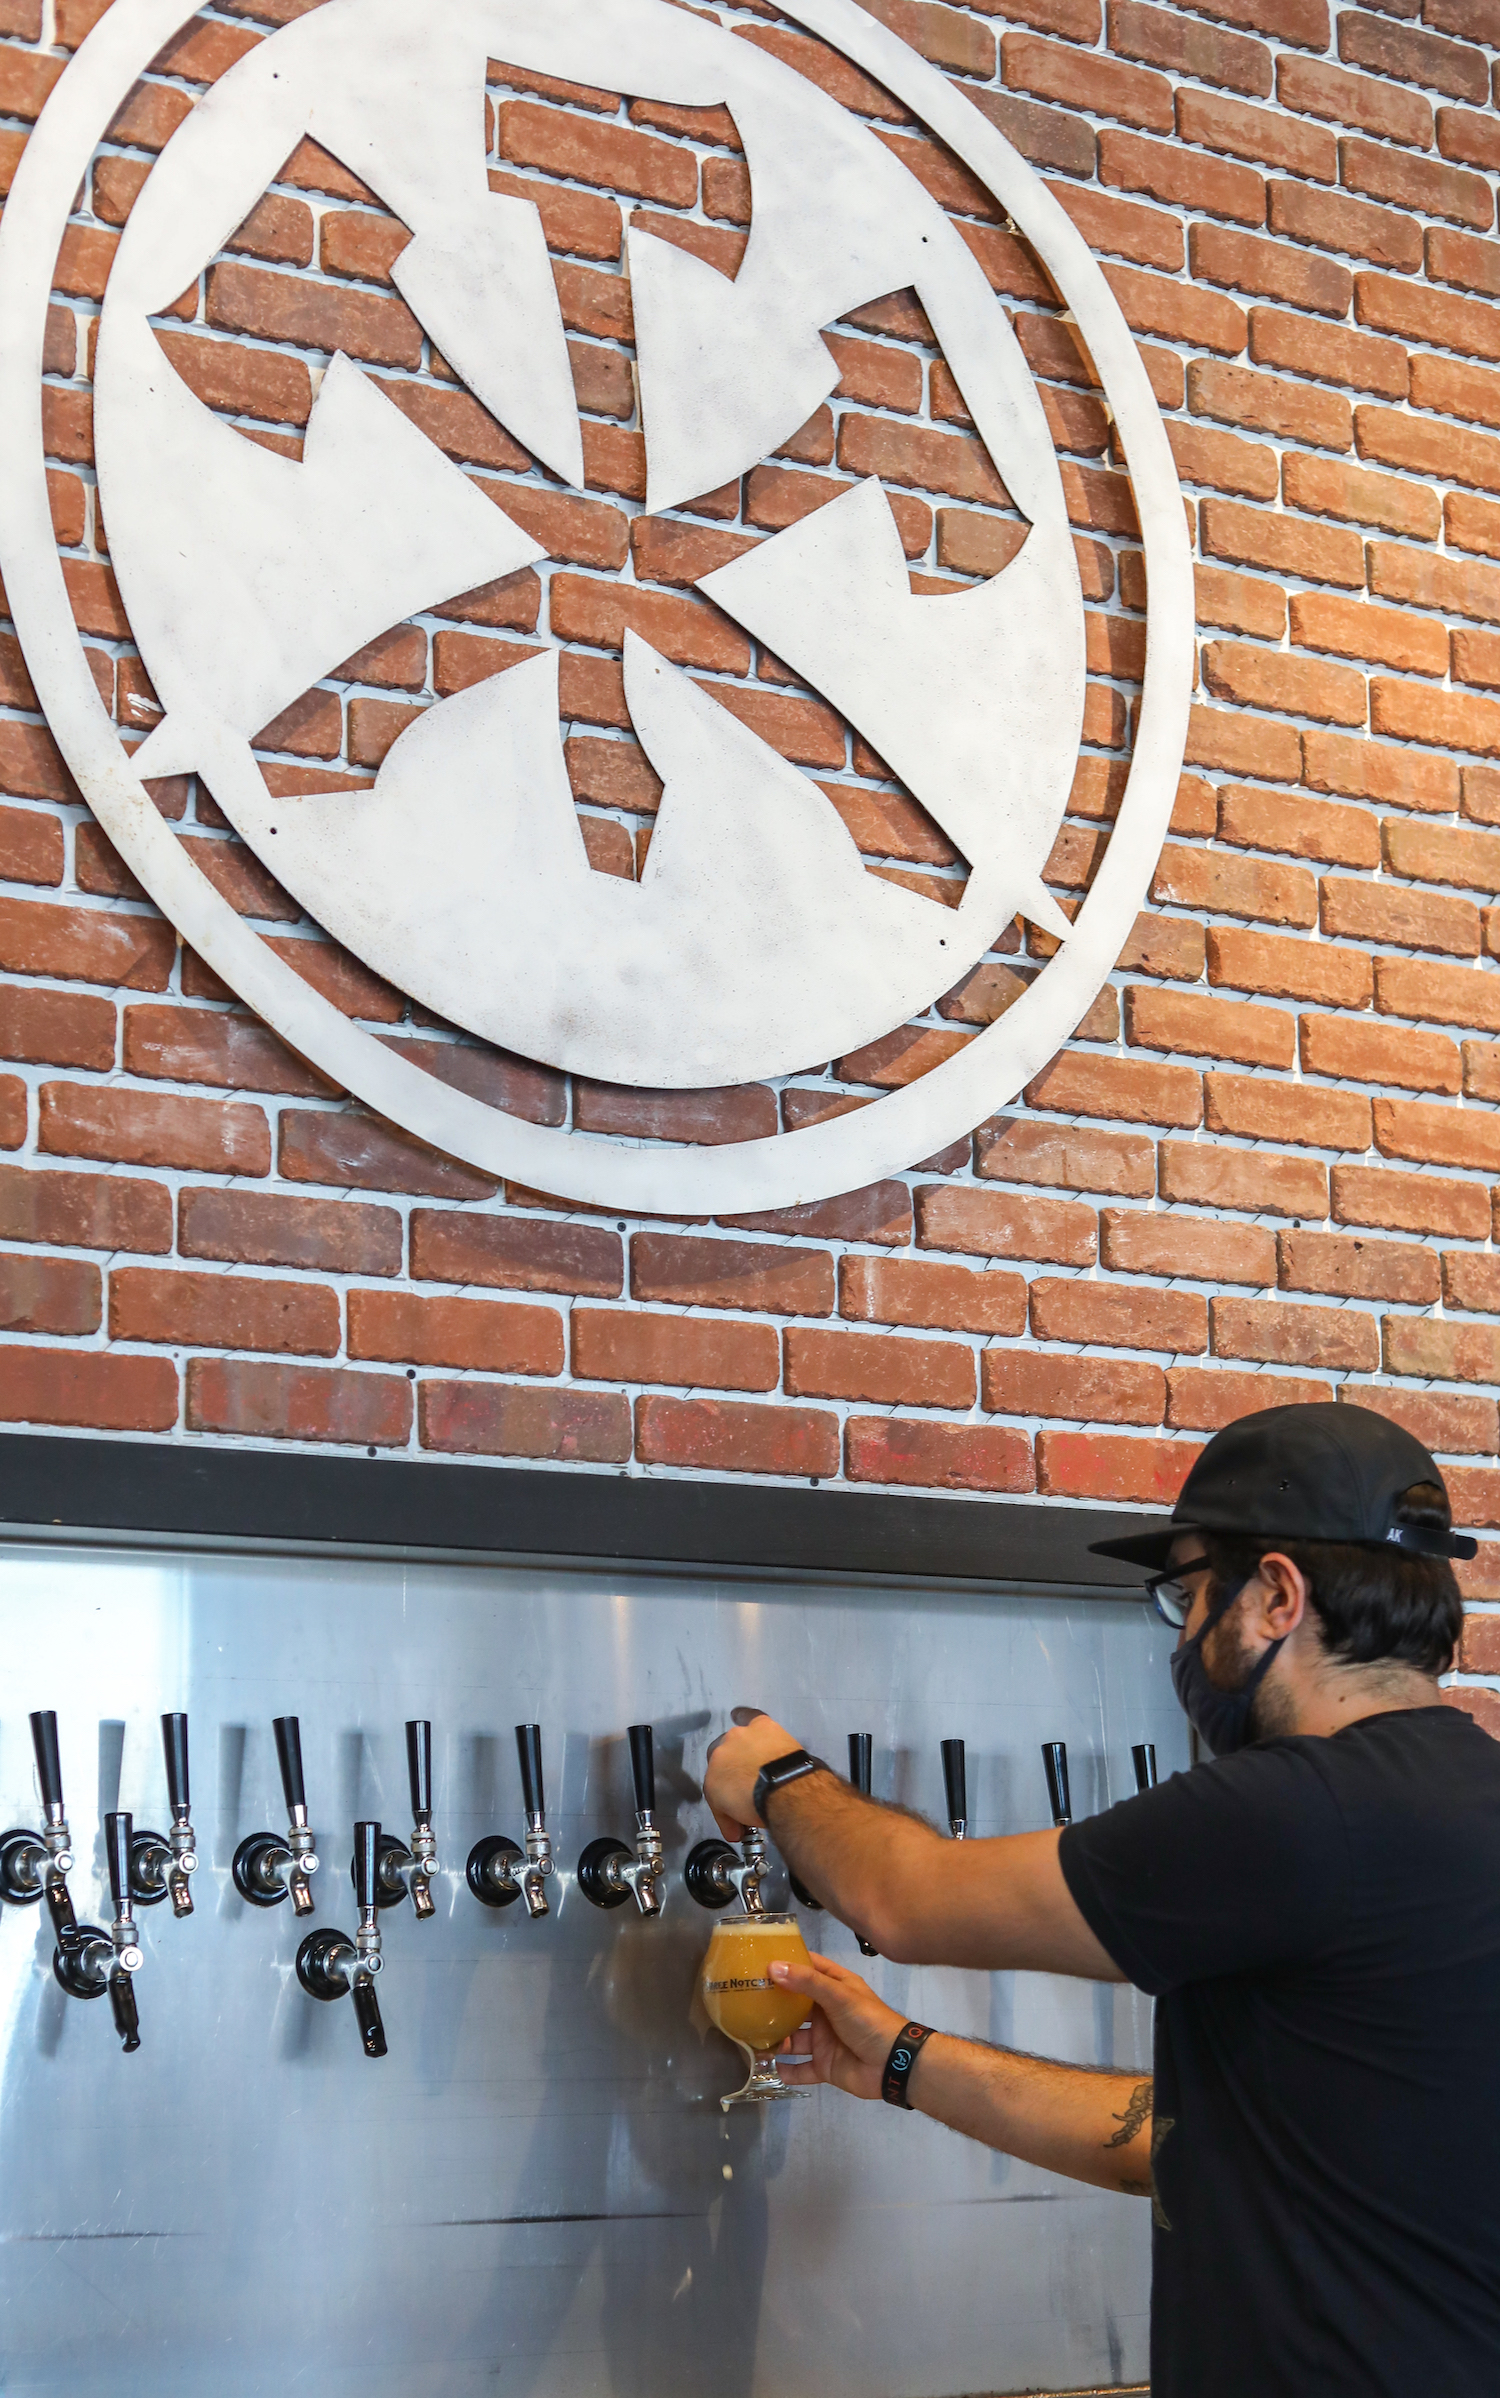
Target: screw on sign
(756,941)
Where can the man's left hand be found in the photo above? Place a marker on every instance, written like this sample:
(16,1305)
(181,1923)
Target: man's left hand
(734,1763)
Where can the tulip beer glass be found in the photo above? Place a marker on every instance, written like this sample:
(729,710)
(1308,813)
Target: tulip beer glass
(745,2004)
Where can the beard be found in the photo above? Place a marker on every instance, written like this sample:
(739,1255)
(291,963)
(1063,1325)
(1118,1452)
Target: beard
(1229,1660)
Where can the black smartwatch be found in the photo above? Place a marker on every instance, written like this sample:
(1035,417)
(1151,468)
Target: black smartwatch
(781,1770)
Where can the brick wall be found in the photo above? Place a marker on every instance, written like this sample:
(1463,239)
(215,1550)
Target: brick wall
(1263,1168)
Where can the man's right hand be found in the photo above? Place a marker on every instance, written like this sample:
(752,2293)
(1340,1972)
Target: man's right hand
(852,2031)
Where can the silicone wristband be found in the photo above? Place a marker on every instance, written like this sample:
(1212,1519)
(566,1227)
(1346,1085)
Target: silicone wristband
(899,2063)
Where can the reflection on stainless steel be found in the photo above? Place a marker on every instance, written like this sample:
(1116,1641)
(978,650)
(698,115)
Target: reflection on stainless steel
(531,2196)
(330,1965)
(1059,1793)
(266,1868)
(716,1874)
(607,1874)
(498,1871)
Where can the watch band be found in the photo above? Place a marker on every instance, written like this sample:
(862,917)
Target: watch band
(899,2063)
(788,1768)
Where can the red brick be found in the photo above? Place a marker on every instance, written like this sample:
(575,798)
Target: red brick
(1445,1421)
(264,1229)
(744,1113)
(304,1403)
(1276,1332)
(1433,853)
(1177,312)
(1361,1052)
(1065,1156)
(1088,1465)
(1201,1400)
(994,1224)
(149,1129)
(880,1367)
(913,456)
(1472,524)
(1471,1281)
(479,1419)
(1119,1316)
(1282,544)
(1287,969)
(701,1352)
(85,1211)
(1252,1107)
(1254,819)
(681,628)
(1317,89)
(13,1111)
(1327,487)
(1438,1136)
(1268,404)
(1221,463)
(1083,1085)
(733,1436)
(403,1327)
(85,944)
(613,156)
(1264,134)
(1420,1203)
(31,846)
(1122,229)
(1439,1351)
(1104,1390)
(222,1311)
(919,1291)
(1258,678)
(1469,1699)
(1365,770)
(1203,1027)
(56,1028)
(1474,140)
(1161,38)
(180,1044)
(1481,1070)
(1228,886)
(1475,1493)
(362,1152)
(1347,1268)
(1418,313)
(936,1456)
(1329,353)
(880,1213)
(1353,227)
(766,1277)
(1420,183)
(1102,86)
(1168,946)
(1459,259)
(1409,56)
(88,1387)
(1480,1651)
(1165,171)
(1193,1248)
(49,1294)
(1420,448)
(1351,629)
(516,1253)
(1369,911)
(313,316)
(1049,137)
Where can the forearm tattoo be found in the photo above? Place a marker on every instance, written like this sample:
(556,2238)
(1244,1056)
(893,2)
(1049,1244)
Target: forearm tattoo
(1137,2112)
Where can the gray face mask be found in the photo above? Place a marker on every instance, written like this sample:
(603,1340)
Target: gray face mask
(1221,1718)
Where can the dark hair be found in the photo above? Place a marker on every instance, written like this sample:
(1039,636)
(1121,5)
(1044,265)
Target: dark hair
(1375,1605)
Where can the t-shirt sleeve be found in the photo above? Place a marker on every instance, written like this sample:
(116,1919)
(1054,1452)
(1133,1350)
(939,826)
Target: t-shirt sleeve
(1240,1864)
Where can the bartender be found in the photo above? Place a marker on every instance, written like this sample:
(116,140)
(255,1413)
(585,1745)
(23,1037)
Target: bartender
(1316,1912)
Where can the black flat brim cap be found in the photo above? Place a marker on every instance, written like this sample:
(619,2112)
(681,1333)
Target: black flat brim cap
(1320,1472)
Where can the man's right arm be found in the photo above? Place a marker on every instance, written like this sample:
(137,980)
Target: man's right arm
(1093,2126)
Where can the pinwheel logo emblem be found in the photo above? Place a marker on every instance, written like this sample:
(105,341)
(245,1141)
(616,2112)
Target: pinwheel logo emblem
(755,942)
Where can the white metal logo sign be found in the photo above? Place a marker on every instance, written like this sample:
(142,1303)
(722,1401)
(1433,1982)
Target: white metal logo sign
(755,941)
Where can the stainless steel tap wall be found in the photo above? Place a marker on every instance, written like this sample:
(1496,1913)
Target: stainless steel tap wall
(535,2193)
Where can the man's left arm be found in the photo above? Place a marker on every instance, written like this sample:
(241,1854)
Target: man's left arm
(916,1897)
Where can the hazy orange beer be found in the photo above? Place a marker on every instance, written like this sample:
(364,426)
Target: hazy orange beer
(745,2004)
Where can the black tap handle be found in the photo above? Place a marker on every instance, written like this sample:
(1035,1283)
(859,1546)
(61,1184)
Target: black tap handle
(367,2016)
(175,1750)
(956,1781)
(288,1733)
(1143,1757)
(48,1764)
(1055,1759)
(419,1767)
(529,1750)
(118,1830)
(861,1750)
(126,2013)
(367,1863)
(643,1768)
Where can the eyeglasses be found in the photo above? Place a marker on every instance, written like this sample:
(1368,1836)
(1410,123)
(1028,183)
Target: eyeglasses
(1169,1593)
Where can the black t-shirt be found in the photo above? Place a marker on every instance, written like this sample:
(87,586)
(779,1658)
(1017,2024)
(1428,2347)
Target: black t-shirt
(1319,1921)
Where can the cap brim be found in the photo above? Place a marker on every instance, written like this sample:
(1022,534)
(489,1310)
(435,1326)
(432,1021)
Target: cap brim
(1150,1547)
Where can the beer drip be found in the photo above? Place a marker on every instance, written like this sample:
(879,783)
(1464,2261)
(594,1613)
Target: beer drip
(161,1864)
(1055,1759)
(332,1965)
(608,1874)
(498,1871)
(36,1865)
(266,1867)
(88,1960)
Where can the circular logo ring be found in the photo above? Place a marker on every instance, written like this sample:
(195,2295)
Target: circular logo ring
(841,1153)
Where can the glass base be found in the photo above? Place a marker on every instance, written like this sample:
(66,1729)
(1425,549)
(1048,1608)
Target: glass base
(764,2082)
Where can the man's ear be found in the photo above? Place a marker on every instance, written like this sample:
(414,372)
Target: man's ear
(1278,1597)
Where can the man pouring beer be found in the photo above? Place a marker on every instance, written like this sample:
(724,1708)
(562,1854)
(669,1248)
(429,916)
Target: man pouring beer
(1316,1912)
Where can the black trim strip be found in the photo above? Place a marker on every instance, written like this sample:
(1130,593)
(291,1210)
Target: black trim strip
(171,1488)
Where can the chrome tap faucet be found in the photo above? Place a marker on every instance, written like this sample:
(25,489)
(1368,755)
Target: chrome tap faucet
(333,1965)
(608,1874)
(717,1875)
(36,1865)
(498,1871)
(88,1960)
(268,1868)
(410,1869)
(160,1865)
(1055,1759)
